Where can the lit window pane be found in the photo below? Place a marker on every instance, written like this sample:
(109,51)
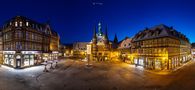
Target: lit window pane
(20,24)
(27,24)
(16,24)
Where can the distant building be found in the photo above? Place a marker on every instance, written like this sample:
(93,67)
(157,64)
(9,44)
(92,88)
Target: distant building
(79,49)
(1,47)
(66,50)
(124,49)
(193,49)
(102,48)
(160,47)
(27,43)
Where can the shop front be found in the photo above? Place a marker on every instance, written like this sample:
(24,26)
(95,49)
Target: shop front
(21,59)
(31,58)
(54,55)
(8,57)
(50,56)
(139,61)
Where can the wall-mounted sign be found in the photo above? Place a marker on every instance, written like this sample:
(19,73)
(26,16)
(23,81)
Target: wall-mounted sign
(29,52)
(88,49)
(9,52)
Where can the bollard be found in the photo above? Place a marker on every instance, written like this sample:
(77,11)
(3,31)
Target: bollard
(51,66)
(45,70)
(56,65)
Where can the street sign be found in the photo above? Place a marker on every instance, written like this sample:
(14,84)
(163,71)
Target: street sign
(88,49)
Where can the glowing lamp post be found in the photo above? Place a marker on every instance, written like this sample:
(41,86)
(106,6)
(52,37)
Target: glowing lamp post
(88,55)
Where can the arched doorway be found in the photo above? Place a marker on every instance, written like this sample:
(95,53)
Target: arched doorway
(18,61)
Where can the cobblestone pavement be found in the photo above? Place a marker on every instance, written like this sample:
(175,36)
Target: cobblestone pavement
(74,75)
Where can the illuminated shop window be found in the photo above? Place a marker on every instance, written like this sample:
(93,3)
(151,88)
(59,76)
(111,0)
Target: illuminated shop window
(6,59)
(9,60)
(158,64)
(135,61)
(26,60)
(31,60)
(141,62)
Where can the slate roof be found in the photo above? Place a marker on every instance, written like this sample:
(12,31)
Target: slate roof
(159,31)
(37,26)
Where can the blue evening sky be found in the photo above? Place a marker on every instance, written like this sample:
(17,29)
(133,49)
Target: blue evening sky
(74,19)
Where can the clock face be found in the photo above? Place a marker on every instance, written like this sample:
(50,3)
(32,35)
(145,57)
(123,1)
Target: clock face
(99,37)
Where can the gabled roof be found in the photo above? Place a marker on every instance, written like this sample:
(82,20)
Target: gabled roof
(193,45)
(125,40)
(37,25)
(159,31)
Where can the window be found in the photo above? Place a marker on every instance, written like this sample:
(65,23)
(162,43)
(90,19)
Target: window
(33,36)
(16,24)
(33,26)
(27,23)
(18,34)
(18,45)
(31,59)
(26,60)
(20,24)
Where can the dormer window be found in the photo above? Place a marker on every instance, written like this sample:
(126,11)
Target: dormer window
(16,24)
(27,23)
(33,26)
(20,24)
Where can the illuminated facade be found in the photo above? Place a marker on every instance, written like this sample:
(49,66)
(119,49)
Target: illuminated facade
(79,49)
(160,48)
(124,49)
(193,50)
(66,50)
(27,43)
(1,48)
(100,45)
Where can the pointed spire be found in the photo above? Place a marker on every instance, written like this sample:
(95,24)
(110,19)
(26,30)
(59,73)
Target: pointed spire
(106,33)
(94,32)
(115,39)
(99,29)
(94,40)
